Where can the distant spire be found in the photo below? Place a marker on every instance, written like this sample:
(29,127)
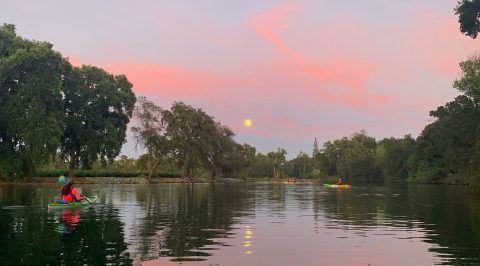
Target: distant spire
(316,151)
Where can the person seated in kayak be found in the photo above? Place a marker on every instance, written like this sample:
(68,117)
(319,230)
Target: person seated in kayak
(339,182)
(71,193)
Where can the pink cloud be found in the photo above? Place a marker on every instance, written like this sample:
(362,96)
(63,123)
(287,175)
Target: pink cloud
(164,80)
(191,83)
(344,72)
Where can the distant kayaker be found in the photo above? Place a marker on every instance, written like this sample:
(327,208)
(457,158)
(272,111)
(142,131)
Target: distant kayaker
(339,182)
(71,193)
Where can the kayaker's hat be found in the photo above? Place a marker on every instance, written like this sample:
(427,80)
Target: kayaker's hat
(62,180)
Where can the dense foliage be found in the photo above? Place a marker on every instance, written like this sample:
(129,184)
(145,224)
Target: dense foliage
(97,107)
(189,139)
(468,12)
(47,106)
(448,149)
(31,116)
(394,158)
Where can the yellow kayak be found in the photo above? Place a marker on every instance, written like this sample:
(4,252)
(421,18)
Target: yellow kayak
(337,186)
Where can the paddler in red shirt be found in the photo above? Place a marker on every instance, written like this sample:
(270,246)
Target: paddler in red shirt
(71,193)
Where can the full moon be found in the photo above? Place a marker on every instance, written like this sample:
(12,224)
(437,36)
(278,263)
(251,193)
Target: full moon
(247,123)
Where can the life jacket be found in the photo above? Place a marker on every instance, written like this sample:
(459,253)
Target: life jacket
(69,197)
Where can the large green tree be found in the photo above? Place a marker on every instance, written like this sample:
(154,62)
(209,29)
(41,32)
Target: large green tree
(277,160)
(184,132)
(222,153)
(235,161)
(149,132)
(468,12)
(357,160)
(447,149)
(393,157)
(198,142)
(31,119)
(352,159)
(248,158)
(469,83)
(189,138)
(261,166)
(302,166)
(329,156)
(98,107)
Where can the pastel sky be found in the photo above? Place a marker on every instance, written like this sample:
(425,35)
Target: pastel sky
(298,69)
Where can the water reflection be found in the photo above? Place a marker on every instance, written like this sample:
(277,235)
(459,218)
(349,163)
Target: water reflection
(32,235)
(69,219)
(439,216)
(243,224)
(185,222)
(248,240)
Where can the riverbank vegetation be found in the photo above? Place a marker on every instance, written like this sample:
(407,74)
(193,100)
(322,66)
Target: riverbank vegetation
(56,117)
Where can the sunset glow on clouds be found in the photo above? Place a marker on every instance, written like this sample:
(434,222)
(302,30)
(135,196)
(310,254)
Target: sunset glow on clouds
(298,69)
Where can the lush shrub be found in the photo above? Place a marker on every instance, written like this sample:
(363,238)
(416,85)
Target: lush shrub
(428,174)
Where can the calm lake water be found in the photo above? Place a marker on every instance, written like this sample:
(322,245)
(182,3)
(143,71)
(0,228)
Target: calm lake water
(251,223)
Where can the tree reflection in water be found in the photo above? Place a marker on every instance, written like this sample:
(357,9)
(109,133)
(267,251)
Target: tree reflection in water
(187,221)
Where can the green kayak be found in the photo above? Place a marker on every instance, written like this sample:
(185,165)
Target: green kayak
(89,201)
